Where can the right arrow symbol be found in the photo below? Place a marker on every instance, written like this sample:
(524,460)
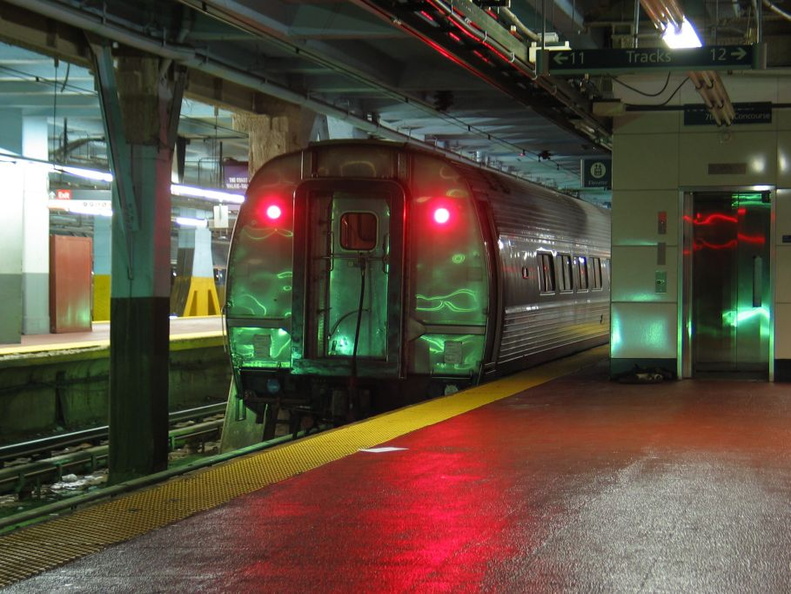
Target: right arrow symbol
(739,53)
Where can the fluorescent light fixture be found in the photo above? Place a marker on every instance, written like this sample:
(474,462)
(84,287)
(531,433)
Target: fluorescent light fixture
(219,195)
(104,176)
(175,189)
(681,37)
(191,222)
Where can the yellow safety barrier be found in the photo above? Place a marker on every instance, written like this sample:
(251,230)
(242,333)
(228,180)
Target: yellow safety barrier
(194,296)
(101,297)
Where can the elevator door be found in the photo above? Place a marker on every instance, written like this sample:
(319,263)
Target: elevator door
(730,284)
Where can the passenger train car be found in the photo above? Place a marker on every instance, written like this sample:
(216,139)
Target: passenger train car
(365,275)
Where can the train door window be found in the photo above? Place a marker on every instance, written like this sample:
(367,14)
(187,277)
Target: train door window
(358,231)
(546,273)
(582,273)
(566,273)
(596,270)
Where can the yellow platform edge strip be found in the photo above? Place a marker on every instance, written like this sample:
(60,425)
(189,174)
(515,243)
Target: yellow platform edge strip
(37,548)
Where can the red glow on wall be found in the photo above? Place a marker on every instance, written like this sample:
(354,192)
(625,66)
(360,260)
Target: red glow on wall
(713,219)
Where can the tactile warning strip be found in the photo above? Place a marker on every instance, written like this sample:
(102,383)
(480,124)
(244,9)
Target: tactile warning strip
(37,548)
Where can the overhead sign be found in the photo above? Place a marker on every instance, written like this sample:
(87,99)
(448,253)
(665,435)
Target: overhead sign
(744,113)
(90,202)
(712,57)
(596,172)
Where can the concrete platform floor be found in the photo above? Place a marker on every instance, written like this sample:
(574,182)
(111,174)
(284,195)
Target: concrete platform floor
(100,335)
(577,485)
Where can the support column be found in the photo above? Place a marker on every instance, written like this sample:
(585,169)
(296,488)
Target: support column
(11,239)
(194,292)
(24,266)
(35,230)
(102,267)
(141,117)
(13,175)
(287,128)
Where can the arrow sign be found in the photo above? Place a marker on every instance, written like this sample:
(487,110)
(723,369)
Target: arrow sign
(713,57)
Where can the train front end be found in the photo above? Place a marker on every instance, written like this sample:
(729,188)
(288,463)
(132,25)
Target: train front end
(357,282)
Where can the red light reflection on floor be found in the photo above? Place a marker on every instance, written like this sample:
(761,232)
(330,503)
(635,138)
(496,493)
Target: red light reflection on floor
(572,486)
(431,515)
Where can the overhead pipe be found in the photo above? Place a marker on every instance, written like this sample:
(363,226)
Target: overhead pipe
(520,26)
(777,10)
(708,84)
(564,95)
(483,38)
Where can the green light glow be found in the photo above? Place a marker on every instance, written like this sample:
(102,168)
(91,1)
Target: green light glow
(260,347)
(742,198)
(735,317)
(471,353)
(458,258)
(449,301)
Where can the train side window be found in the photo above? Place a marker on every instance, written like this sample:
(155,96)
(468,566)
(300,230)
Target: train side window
(358,231)
(546,273)
(582,273)
(596,269)
(566,273)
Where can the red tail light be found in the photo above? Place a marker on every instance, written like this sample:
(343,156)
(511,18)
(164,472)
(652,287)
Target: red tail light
(273,211)
(441,215)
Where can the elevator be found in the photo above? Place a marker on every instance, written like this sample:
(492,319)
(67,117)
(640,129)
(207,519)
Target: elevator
(727,289)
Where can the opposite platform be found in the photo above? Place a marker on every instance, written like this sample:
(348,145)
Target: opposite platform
(181,329)
(575,484)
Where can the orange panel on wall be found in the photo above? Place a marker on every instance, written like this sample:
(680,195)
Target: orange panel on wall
(70,269)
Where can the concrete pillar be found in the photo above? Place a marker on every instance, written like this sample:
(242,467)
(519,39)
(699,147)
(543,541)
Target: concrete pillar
(11,125)
(24,271)
(35,253)
(102,266)
(194,292)
(337,129)
(287,128)
(13,176)
(141,106)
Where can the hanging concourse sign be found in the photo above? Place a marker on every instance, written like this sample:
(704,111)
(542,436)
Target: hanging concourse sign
(600,61)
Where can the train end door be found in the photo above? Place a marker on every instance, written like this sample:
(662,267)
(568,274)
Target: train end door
(348,278)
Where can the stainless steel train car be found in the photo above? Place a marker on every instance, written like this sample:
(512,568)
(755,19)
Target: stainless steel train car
(365,275)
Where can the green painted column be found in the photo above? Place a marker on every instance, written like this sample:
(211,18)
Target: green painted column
(141,106)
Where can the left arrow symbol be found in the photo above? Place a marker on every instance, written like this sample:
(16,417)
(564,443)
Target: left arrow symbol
(559,58)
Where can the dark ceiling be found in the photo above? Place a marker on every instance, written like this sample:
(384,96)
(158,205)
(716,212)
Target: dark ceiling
(454,75)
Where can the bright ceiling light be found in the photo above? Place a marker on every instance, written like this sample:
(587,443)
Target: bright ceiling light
(191,222)
(681,37)
(84,173)
(218,195)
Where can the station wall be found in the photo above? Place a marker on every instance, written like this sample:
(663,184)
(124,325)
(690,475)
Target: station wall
(655,159)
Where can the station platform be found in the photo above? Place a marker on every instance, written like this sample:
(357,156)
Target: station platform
(552,480)
(181,329)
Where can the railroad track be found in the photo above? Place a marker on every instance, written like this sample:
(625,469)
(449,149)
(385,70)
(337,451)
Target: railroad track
(26,466)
